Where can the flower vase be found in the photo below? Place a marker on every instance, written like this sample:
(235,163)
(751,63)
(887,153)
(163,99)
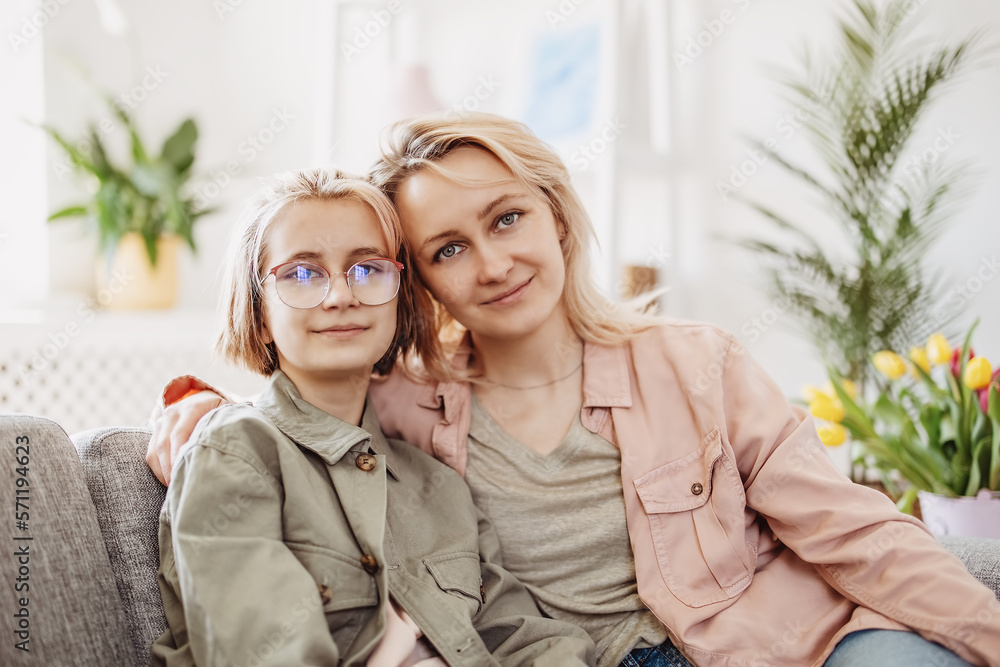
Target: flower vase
(964,516)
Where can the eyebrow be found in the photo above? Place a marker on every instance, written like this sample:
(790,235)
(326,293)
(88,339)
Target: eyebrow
(483,214)
(313,256)
(368,251)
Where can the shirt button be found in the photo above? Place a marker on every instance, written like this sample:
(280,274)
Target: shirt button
(369,563)
(324,593)
(365,461)
(697,488)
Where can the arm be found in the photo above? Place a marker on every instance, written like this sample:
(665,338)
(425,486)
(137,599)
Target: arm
(244,596)
(862,546)
(510,624)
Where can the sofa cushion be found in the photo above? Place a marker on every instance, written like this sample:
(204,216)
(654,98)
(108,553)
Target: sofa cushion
(74,613)
(128,499)
(981,556)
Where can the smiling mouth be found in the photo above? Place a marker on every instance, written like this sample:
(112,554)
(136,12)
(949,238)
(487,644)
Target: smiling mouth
(513,296)
(345,331)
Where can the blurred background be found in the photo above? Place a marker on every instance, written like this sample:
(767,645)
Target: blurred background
(655,106)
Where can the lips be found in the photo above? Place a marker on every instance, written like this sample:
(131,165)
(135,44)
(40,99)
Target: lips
(342,330)
(510,296)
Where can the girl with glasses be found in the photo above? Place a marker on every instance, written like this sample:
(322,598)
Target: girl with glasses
(295,532)
(648,480)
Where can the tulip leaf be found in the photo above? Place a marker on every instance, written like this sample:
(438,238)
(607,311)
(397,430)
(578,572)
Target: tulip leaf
(993,406)
(930,419)
(975,469)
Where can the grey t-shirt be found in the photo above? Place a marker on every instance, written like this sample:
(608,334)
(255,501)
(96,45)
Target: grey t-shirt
(561,522)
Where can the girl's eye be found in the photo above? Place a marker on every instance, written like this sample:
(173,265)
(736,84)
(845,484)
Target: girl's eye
(447,252)
(300,273)
(507,220)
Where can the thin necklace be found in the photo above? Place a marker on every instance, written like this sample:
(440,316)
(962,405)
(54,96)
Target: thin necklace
(536,386)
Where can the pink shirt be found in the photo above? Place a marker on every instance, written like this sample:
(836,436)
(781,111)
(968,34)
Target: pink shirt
(749,545)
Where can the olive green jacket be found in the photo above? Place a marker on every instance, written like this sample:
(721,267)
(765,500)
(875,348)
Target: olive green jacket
(285,531)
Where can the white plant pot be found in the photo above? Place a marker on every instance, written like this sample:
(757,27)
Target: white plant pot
(965,516)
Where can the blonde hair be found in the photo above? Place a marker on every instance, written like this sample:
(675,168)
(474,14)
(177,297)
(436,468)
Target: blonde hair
(412,145)
(242,338)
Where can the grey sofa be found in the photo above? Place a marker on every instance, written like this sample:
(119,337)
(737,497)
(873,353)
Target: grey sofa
(92,508)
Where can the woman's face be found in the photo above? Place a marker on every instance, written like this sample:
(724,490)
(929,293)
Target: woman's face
(489,253)
(340,337)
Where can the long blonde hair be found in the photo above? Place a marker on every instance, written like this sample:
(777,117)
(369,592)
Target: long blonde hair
(242,338)
(412,145)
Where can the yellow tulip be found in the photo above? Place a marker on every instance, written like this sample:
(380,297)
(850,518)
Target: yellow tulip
(849,388)
(918,356)
(938,350)
(832,435)
(824,407)
(889,364)
(977,373)
(810,392)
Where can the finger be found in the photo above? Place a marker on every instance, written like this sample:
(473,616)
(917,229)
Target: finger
(162,445)
(181,433)
(152,460)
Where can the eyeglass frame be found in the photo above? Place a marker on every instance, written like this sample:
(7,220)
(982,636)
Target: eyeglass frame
(329,280)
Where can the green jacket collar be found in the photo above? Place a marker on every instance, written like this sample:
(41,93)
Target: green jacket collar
(318,431)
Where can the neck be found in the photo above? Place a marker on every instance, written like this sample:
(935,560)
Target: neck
(545,355)
(342,395)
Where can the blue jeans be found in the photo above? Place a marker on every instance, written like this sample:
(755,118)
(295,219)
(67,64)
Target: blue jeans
(664,655)
(864,648)
(890,648)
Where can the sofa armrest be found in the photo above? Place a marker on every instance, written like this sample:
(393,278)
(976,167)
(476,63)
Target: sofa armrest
(64,580)
(128,499)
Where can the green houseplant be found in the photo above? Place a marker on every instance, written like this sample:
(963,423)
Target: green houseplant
(140,207)
(864,104)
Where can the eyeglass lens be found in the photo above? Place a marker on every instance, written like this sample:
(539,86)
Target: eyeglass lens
(303,285)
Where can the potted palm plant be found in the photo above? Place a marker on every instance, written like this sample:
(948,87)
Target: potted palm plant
(140,211)
(862,106)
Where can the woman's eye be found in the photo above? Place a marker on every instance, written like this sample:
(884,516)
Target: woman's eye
(507,220)
(447,252)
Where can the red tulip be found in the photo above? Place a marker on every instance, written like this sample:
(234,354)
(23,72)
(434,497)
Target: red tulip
(984,393)
(956,368)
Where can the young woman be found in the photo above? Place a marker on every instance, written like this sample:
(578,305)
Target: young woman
(294,532)
(647,479)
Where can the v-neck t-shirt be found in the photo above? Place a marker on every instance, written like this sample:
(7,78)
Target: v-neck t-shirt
(561,522)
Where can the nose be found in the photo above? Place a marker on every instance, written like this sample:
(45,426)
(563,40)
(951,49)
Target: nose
(339,295)
(494,263)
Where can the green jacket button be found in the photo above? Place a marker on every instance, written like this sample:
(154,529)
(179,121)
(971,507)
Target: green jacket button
(365,461)
(369,563)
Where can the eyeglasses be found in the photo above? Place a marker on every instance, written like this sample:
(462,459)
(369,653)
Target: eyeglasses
(302,285)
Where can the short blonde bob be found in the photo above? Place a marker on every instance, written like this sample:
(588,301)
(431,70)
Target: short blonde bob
(412,145)
(242,339)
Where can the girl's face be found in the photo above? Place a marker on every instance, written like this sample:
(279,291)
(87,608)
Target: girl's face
(489,253)
(341,337)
